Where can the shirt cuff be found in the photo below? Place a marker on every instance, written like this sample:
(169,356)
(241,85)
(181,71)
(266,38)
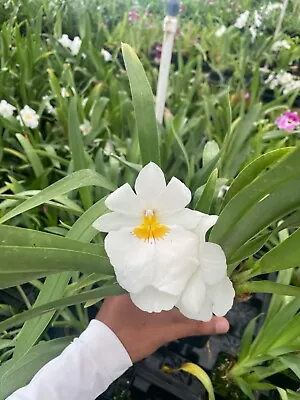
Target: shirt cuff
(105,349)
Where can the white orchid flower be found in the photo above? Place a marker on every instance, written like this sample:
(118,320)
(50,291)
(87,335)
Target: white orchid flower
(75,45)
(209,291)
(6,109)
(242,20)
(65,41)
(29,117)
(106,55)
(220,32)
(150,241)
(86,127)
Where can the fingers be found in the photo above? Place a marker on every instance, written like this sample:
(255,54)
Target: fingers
(187,327)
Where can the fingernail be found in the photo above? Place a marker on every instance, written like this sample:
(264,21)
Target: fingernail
(222,325)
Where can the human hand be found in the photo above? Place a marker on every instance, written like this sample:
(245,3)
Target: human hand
(143,333)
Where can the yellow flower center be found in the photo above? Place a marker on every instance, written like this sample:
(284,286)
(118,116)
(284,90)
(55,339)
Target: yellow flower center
(150,227)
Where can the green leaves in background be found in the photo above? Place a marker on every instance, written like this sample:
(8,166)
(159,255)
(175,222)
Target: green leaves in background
(143,103)
(15,375)
(263,199)
(74,181)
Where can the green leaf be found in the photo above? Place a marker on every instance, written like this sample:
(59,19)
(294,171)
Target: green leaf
(245,388)
(13,236)
(77,149)
(249,248)
(272,330)
(205,202)
(277,301)
(253,170)
(74,181)
(54,286)
(33,158)
(268,287)
(292,361)
(99,293)
(44,261)
(210,151)
(283,171)
(285,255)
(237,141)
(143,103)
(15,375)
(247,339)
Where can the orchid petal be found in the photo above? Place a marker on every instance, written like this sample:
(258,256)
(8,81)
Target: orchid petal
(153,300)
(124,201)
(114,221)
(212,263)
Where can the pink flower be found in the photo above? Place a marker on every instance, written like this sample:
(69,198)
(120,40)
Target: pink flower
(288,121)
(133,15)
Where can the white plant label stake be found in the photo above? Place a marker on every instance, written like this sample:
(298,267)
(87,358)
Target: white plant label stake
(170,28)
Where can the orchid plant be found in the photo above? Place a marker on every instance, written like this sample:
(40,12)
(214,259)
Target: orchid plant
(161,252)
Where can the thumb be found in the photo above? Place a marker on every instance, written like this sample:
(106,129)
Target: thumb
(188,327)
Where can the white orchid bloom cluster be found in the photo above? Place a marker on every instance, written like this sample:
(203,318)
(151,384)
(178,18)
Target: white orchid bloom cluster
(73,45)
(6,109)
(244,19)
(285,81)
(106,55)
(270,8)
(27,117)
(281,44)
(159,251)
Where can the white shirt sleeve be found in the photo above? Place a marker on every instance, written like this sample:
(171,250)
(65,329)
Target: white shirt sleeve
(84,370)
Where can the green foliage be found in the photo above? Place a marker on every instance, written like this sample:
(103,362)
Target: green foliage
(218,136)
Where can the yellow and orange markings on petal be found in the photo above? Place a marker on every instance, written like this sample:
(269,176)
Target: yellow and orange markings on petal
(150,227)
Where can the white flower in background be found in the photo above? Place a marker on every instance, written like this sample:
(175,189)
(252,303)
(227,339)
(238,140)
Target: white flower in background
(75,45)
(242,20)
(106,55)
(285,78)
(281,44)
(29,117)
(257,19)
(6,109)
(65,41)
(64,92)
(86,127)
(271,7)
(222,191)
(253,32)
(153,240)
(220,32)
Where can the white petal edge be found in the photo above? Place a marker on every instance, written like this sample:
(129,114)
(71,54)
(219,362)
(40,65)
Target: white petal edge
(192,298)
(206,222)
(174,198)
(187,219)
(222,296)
(115,221)
(124,201)
(150,182)
(212,261)
(153,300)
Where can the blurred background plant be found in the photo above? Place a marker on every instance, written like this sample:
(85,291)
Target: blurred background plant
(66,107)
